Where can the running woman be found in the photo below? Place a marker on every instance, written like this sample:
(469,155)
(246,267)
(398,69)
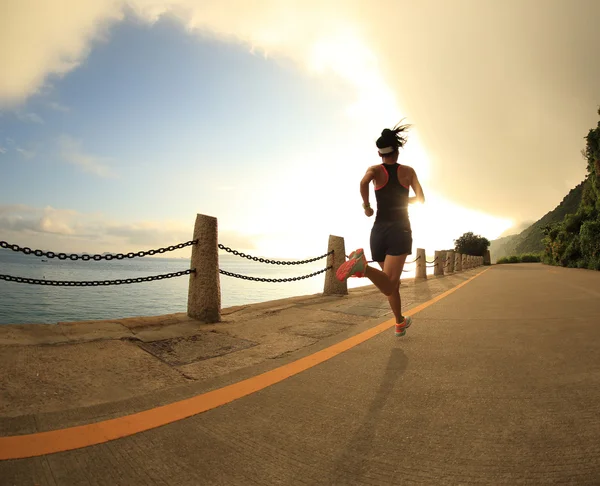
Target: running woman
(391,235)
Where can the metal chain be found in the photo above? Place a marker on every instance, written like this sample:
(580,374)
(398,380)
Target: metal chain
(273,262)
(275,280)
(86,257)
(434,260)
(93,283)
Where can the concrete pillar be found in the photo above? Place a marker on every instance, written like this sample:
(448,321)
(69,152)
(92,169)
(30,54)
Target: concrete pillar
(204,292)
(332,285)
(458,262)
(438,268)
(465,262)
(449,262)
(421,271)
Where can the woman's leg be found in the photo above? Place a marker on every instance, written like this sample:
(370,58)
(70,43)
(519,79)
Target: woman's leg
(388,281)
(393,267)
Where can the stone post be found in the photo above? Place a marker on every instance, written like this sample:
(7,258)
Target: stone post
(457,262)
(438,268)
(204,292)
(421,264)
(449,262)
(465,262)
(332,285)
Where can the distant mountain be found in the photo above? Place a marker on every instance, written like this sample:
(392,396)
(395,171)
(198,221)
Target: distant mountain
(530,240)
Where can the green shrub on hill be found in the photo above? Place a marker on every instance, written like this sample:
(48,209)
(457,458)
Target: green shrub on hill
(531,258)
(527,258)
(531,239)
(575,241)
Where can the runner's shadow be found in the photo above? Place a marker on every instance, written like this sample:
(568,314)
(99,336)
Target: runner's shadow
(351,464)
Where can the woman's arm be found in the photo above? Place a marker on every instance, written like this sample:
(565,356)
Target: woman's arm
(364,185)
(416,185)
(364,190)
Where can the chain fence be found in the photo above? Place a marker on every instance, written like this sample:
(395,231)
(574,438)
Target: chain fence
(120,256)
(272,280)
(272,262)
(93,283)
(86,257)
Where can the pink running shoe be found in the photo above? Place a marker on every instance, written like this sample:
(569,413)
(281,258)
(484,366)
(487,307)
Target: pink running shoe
(401,328)
(354,267)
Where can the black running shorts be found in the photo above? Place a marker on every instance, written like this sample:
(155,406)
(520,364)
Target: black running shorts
(390,238)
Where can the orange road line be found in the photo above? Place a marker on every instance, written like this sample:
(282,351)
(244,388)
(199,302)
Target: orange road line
(41,443)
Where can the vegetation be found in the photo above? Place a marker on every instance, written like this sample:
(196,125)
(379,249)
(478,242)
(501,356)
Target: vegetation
(531,240)
(527,258)
(471,244)
(575,240)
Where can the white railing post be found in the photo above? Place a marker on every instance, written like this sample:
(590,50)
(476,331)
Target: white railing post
(332,285)
(449,262)
(421,269)
(438,268)
(204,291)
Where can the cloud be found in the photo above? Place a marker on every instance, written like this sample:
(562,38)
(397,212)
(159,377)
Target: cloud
(68,230)
(71,152)
(29,117)
(2,150)
(500,107)
(28,154)
(40,39)
(39,220)
(58,107)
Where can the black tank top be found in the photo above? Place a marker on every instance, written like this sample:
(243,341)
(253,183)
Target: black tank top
(392,199)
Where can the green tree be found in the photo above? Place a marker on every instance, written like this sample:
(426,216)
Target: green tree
(471,244)
(575,241)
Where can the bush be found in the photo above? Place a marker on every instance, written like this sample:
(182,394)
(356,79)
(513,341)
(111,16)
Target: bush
(531,258)
(528,258)
(590,238)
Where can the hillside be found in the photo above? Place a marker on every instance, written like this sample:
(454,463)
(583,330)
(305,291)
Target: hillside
(530,240)
(575,241)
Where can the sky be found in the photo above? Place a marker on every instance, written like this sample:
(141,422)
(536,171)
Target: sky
(121,120)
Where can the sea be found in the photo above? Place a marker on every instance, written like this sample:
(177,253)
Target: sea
(43,304)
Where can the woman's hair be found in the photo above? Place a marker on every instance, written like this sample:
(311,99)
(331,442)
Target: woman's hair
(394,138)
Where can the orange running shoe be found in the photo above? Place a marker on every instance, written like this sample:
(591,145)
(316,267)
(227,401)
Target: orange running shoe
(403,326)
(354,267)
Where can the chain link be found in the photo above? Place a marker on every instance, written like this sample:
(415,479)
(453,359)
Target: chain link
(93,283)
(274,280)
(86,257)
(272,262)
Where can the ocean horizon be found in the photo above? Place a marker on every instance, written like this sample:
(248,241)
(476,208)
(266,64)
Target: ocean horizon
(44,304)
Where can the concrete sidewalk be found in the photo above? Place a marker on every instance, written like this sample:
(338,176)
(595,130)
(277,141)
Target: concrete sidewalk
(497,383)
(69,373)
